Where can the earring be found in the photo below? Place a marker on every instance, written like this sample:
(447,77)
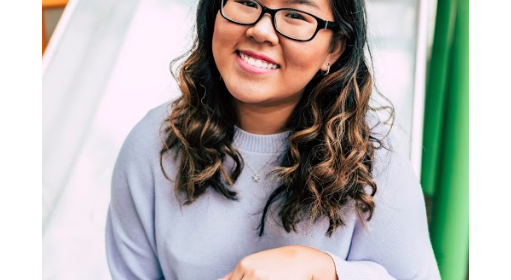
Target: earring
(327,69)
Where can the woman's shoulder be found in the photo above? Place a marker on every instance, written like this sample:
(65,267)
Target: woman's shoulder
(390,161)
(152,121)
(146,137)
(397,183)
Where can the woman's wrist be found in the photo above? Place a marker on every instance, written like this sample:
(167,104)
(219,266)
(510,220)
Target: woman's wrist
(332,270)
(322,265)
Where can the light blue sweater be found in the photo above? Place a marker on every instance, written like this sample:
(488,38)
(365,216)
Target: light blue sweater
(149,236)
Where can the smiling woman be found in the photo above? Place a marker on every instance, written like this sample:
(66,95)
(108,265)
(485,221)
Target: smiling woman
(281,88)
(263,37)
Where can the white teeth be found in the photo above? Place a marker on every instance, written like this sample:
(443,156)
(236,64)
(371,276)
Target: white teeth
(257,62)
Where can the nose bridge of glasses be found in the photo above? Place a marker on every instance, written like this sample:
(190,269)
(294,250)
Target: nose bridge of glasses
(269,11)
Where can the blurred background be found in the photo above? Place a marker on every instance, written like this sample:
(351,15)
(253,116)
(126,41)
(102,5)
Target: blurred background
(106,63)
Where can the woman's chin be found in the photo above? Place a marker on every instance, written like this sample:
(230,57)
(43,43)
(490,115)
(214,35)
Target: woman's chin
(249,96)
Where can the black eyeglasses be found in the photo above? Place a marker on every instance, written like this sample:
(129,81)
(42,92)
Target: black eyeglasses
(291,23)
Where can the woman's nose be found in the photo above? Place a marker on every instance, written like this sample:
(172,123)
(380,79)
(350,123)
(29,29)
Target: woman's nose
(263,31)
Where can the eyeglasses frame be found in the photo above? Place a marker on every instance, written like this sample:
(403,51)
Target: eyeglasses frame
(322,24)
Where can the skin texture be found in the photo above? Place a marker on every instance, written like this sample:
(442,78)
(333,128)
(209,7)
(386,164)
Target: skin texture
(265,101)
(285,263)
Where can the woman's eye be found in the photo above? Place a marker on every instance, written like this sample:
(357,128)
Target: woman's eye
(248,3)
(295,16)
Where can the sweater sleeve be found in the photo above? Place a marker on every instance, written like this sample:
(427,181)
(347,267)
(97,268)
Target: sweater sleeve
(130,238)
(395,243)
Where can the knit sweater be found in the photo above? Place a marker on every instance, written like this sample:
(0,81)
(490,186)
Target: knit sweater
(149,235)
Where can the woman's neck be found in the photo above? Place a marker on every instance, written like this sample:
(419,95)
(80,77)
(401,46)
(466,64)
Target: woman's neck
(263,120)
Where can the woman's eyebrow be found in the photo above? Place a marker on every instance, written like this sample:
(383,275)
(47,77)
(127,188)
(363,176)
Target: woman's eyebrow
(303,2)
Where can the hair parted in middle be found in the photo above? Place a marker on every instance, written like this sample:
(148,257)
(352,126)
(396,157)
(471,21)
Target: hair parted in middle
(330,154)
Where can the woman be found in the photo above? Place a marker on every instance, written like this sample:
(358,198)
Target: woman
(269,165)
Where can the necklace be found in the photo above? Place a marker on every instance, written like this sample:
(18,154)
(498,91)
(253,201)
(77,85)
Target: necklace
(256,177)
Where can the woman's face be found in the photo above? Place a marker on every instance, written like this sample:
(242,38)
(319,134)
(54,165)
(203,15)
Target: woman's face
(290,65)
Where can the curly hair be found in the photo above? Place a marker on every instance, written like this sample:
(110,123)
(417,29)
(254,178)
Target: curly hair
(330,154)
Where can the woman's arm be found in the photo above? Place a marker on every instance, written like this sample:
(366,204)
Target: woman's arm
(395,243)
(130,241)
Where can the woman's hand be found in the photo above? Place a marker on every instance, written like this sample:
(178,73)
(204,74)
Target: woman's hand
(294,262)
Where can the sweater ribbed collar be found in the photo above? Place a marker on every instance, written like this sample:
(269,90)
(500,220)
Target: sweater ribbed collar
(271,143)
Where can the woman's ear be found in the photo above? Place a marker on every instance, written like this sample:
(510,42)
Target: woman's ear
(337,48)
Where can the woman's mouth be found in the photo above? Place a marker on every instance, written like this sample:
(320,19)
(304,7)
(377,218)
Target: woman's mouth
(259,63)
(254,64)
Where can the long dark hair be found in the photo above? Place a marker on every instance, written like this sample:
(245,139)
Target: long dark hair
(330,155)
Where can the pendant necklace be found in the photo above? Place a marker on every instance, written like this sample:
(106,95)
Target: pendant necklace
(256,177)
